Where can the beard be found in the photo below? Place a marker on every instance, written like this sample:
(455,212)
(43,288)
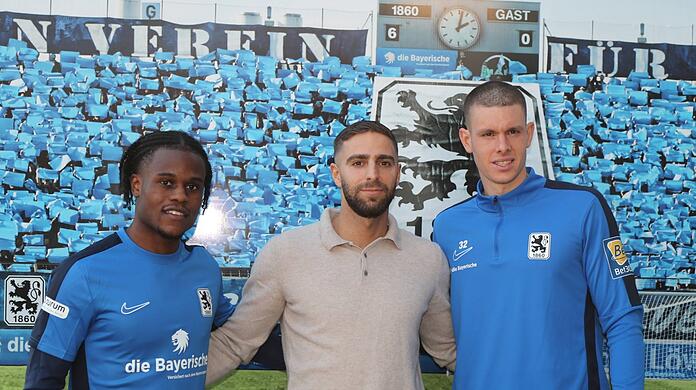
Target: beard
(367,209)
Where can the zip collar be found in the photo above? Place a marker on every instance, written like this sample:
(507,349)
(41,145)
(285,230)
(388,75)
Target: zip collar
(520,195)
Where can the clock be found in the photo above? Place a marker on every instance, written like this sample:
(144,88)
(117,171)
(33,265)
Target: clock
(459,28)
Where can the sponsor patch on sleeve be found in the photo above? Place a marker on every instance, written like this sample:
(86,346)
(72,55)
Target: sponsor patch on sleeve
(55,308)
(616,257)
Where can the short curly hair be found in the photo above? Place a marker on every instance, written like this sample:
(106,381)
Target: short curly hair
(142,149)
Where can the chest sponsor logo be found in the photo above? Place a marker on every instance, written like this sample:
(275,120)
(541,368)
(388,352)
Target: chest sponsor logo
(24,295)
(463,267)
(178,368)
(130,310)
(206,302)
(462,249)
(616,258)
(539,246)
(180,340)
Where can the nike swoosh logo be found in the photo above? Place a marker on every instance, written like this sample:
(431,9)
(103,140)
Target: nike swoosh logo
(130,310)
(458,255)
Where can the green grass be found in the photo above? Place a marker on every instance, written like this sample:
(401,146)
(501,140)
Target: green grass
(275,380)
(12,378)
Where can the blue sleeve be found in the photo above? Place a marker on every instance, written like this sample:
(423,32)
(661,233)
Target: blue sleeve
(614,294)
(434,234)
(65,315)
(224,307)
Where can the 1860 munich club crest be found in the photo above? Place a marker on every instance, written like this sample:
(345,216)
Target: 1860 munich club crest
(24,295)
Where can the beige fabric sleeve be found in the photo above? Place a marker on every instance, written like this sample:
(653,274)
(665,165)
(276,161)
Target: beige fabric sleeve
(436,331)
(262,304)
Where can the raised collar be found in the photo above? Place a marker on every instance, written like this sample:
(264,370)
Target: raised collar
(330,239)
(519,195)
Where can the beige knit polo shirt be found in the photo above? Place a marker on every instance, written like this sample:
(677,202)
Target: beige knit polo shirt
(350,318)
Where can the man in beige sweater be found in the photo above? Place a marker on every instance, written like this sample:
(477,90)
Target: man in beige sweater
(355,294)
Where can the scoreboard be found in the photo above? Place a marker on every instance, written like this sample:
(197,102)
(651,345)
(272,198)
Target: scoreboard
(438,35)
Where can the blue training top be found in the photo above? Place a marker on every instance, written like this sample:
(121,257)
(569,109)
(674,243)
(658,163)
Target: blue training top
(538,276)
(119,316)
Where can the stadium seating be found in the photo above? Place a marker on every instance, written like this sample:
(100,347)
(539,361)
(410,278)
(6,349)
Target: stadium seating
(268,126)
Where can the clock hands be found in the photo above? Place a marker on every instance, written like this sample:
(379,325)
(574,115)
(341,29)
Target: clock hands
(459,23)
(461,26)
(458,28)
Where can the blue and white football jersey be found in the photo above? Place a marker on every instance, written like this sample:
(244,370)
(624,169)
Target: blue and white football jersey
(119,316)
(538,279)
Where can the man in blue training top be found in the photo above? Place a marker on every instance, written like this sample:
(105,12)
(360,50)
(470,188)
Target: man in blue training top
(135,310)
(538,272)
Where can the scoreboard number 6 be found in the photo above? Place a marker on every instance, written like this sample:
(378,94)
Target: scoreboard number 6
(392,32)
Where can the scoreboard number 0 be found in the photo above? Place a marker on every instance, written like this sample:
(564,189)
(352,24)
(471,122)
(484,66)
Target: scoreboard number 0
(526,38)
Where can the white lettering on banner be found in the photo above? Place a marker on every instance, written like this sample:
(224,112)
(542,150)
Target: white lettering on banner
(642,59)
(239,39)
(141,39)
(184,44)
(276,43)
(646,60)
(36,38)
(430,58)
(558,57)
(103,36)
(597,57)
(657,70)
(183,41)
(18,345)
(101,42)
(670,358)
(315,46)
(201,37)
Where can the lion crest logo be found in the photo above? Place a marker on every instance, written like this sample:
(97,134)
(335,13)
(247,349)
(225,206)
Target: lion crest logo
(539,247)
(24,295)
(180,340)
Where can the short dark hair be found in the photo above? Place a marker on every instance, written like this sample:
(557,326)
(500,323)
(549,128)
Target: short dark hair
(361,127)
(494,94)
(143,148)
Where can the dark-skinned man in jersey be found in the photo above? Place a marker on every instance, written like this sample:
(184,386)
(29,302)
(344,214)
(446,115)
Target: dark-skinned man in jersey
(135,310)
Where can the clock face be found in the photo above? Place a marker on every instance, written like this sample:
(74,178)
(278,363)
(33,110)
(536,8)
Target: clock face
(459,28)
